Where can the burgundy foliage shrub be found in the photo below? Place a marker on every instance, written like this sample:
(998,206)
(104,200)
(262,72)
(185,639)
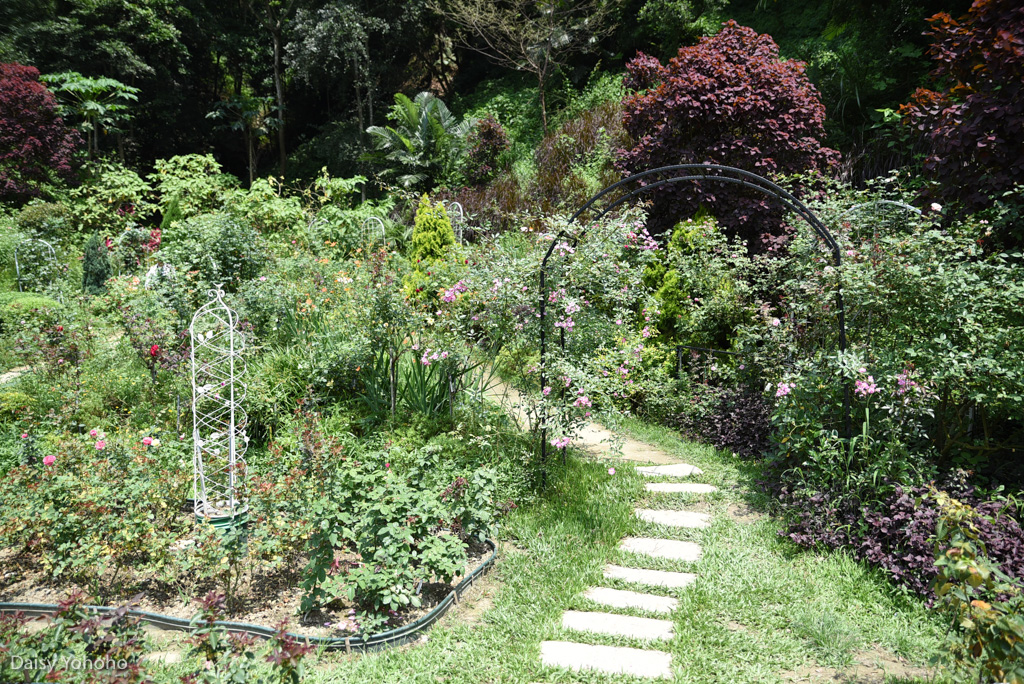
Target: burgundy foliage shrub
(35,144)
(897,534)
(728,100)
(486,143)
(975,127)
(734,419)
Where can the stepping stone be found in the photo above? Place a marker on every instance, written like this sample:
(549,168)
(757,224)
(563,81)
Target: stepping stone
(609,659)
(674,518)
(617,598)
(617,625)
(165,657)
(675,470)
(662,548)
(655,578)
(680,487)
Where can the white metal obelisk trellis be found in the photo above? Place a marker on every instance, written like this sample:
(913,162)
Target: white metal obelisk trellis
(218,419)
(373,231)
(457,217)
(42,256)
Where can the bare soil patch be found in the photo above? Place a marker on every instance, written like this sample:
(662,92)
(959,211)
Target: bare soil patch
(872,666)
(266,599)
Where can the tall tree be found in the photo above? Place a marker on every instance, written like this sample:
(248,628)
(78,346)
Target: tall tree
(535,36)
(274,16)
(334,41)
(100,104)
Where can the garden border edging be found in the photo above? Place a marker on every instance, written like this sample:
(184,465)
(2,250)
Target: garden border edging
(395,637)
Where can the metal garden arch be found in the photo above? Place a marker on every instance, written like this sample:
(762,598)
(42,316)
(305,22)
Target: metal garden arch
(692,173)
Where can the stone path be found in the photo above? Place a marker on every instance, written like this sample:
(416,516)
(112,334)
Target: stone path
(649,661)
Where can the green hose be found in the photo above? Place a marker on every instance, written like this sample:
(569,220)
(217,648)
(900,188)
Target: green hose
(395,637)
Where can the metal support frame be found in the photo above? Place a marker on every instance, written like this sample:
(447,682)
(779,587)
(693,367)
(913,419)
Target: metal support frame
(457,217)
(374,230)
(219,439)
(49,254)
(680,173)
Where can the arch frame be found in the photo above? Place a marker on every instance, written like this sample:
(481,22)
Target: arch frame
(692,173)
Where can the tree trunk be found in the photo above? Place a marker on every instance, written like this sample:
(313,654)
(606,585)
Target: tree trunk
(251,153)
(279,87)
(543,102)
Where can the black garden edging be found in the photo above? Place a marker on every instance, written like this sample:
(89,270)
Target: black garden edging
(394,637)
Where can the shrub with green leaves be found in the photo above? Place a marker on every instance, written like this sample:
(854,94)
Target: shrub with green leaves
(218,248)
(266,208)
(194,181)
(47,220)
(111,197)
(934,365)
(26,311)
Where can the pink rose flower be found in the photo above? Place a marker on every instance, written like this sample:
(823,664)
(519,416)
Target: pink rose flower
(93,432)
(611,471)
(24,435)
(49,460)
(147,440)
(101,445)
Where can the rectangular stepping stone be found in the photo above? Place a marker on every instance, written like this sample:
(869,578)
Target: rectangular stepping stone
(617,625)
(662,548)
(609,659)
(675,470)
(674,518)
(680,487)
(617,598)
(655,578)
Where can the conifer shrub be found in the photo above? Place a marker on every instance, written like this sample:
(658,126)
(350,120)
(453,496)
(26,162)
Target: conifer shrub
(432,236)
(432,232)
(95,266)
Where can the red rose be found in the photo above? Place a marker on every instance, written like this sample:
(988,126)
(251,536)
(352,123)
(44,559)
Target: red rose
(154,350)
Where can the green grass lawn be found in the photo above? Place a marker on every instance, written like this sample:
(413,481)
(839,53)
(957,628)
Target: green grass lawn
(761,610)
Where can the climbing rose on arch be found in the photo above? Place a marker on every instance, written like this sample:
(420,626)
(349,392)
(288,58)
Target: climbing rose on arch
(728,100)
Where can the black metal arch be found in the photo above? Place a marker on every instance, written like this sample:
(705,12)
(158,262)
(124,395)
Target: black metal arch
(694,172)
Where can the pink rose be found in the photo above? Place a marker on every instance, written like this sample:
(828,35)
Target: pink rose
(24,435)
(147,440)
(101,445)
(93,433)
(49,460)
